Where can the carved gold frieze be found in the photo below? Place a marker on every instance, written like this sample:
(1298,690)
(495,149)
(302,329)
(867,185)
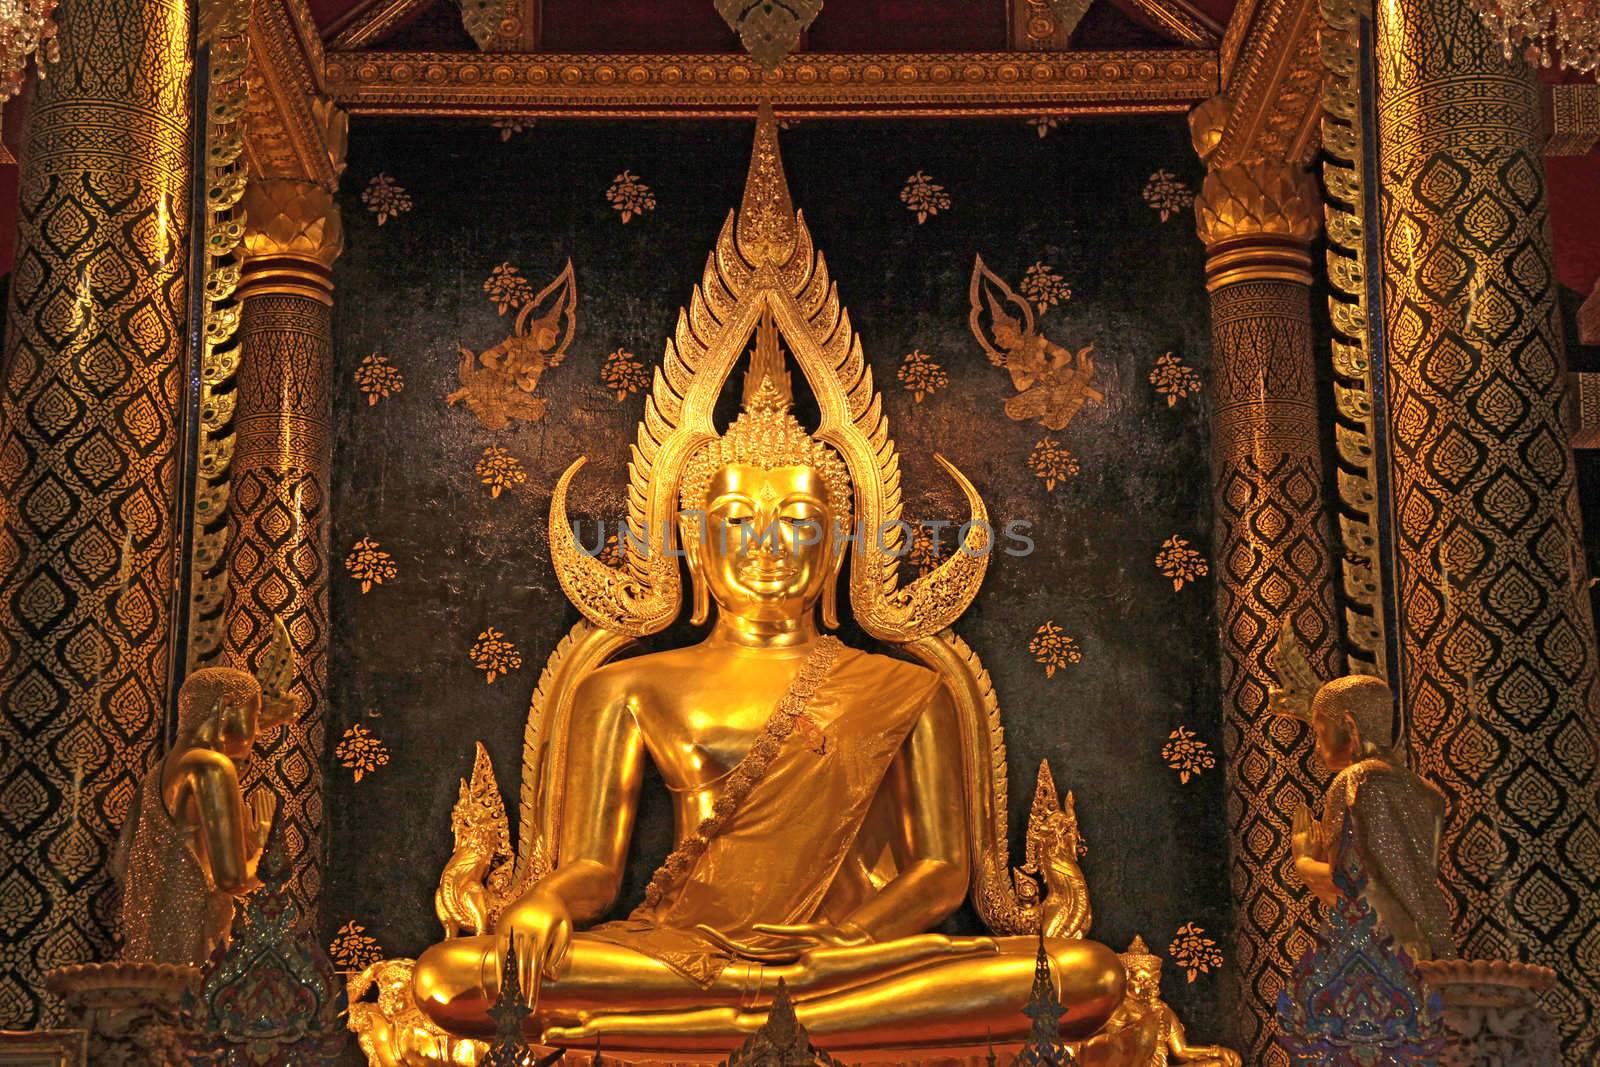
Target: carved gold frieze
(808,85)
(292,129)
(1274,80)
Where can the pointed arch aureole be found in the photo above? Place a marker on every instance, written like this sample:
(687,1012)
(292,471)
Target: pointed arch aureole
(764,265)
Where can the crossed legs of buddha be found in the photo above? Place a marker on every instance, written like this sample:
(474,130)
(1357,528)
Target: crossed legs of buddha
(936,988)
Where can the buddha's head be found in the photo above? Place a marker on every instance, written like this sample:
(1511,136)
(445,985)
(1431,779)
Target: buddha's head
(220,708)
(775,503)
(1353,718)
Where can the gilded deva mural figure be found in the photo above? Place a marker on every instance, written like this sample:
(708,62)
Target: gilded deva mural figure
(832,806)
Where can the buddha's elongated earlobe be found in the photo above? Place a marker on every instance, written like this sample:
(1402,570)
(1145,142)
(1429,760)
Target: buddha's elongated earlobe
(689,539)
(830,592)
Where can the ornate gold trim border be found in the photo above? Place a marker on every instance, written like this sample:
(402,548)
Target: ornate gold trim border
(813,85)
(1354,431)
(227,99)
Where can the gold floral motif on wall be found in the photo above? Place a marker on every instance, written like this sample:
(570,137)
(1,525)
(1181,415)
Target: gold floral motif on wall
(923,196)
(369,564)
(499,383)
(378,379)
(1044,287)
(1194,952)
(1053,383)
(1043,124)
(921,375)
(499,470)
(385,198)
(1179,561)
(1167,194)
(1187,754)
(360,751)
(622,373)
(511,127)
(925,555)
(506,286)
(353,949)
(1052,647)
(1051,463)
(493,654)
(629,196)
(1174,379)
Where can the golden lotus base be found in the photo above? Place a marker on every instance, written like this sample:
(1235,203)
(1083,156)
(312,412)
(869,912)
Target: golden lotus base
(393,1033)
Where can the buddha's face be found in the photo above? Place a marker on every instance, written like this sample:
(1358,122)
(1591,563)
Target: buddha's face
(1338,743)
(237,722)
(768,545)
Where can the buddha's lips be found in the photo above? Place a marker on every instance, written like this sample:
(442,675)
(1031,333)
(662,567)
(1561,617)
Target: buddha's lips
(751,572)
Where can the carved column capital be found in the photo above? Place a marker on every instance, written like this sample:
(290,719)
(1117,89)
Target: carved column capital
(1258,220)
(293,234)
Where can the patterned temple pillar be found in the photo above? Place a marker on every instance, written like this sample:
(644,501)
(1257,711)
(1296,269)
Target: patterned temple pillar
(278,505)
(1495,633)
(1272,546)
(89,423)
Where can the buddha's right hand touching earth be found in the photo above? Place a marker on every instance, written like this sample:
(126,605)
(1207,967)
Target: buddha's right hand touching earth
(538,928)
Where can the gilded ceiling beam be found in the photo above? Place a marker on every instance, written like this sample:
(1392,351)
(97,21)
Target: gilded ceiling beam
(812,85)
(1272,81)
(291,129)
(370,21)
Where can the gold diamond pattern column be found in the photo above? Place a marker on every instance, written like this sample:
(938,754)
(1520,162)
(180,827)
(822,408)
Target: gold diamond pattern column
(1495,633)
(1273,564)
(278,504)
(90,417)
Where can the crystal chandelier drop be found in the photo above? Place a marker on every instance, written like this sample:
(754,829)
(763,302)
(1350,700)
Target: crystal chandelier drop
(1568,30)
(25,28)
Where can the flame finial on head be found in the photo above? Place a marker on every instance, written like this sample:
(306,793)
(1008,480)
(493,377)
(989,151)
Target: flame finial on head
(765,232)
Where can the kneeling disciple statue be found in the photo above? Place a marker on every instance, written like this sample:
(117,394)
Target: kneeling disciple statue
(1396,817)
(192,839)
(832,806)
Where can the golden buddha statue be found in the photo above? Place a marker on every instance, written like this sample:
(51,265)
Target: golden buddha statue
(1397,817)
(192,839)
(832,806)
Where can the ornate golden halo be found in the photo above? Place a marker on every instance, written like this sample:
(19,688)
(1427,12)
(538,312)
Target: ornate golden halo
(764,266)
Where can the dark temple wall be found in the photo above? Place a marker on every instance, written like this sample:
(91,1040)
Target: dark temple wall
(1101,642)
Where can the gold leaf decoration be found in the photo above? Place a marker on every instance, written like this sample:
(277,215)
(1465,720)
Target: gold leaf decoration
(1174,379)
(921,375)
(369,564)
(499,470)
(925,555)
(622,373)
(494,655)
(1167,194)
(611,552)
(1051,463)
(1194,952)
(1180,562)
(1053,648)
(353,949)
(630,196)
(511,127)
(360,751)
(507,288)
(378,379)
(1042,285)
(384,197)
(924,196)
(1187,754)
(500,384)
(1043,124)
